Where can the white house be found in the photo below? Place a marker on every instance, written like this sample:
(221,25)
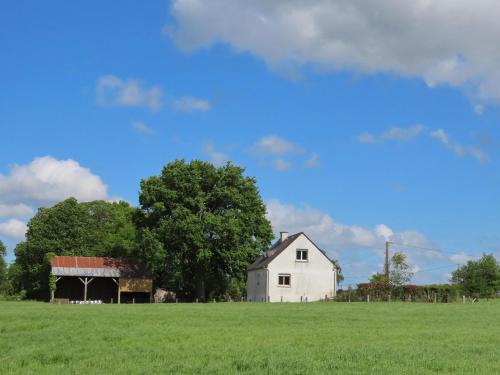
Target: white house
(294,269)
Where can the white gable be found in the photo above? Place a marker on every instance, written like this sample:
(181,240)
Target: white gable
(292,277)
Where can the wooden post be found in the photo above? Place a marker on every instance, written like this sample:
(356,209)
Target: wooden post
(368,298)
(52,296)
(85,282)
(300,299)
(463,299)
(111,300)
(306,299)
(119,295)
(389,297)
(281,298)
(435,297)
(133,301)
(85,290)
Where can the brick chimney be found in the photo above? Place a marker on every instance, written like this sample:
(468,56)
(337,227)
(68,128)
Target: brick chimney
(283,236)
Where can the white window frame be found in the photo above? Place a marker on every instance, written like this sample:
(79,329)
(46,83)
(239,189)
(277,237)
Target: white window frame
(301,258)
(284,275)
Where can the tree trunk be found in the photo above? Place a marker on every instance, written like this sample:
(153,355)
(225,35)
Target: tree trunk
(200,288)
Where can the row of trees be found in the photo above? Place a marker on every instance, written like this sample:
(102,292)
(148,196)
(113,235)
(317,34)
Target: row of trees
(477,279)
(197,227)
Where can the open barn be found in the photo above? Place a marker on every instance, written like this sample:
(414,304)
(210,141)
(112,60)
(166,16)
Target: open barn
(101,279)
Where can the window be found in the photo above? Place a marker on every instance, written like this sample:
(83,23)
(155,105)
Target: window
(284,280)
(301,255)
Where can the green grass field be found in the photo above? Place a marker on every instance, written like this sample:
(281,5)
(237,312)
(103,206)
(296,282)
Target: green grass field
(246,338)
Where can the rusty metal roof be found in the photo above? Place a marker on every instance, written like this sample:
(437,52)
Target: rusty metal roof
(98,267)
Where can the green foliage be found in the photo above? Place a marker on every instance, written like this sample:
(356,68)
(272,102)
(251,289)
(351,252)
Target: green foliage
(479,278)
(400,269)
(250,338)
(70,228)
(3,268)
(200,226)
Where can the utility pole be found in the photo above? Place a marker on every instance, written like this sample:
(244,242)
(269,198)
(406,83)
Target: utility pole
(386,264)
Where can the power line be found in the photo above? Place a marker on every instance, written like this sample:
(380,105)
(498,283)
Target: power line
(435,250)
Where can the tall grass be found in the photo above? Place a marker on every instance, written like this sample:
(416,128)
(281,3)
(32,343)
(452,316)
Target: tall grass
(246,338)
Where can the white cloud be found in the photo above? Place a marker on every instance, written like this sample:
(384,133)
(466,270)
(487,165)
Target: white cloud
(114,91)
(395,134)
(47,180)
(460,258)
(142,128)
(217,158)
(451,42)
(13,229)
(406,134)
(313,161)
(282,165)
(326,231)
(459,149)
(190,104)
(479,109)
(15,210)
(274,145)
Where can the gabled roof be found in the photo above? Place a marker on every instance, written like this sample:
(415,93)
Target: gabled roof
(263,260)
(275,250)
(98,267)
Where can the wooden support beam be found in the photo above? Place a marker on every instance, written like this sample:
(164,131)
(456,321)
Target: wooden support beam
(85,290)
(85,282)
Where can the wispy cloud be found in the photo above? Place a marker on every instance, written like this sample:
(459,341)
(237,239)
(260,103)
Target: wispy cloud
(459,149)
(282,165)
(313,161)
(191,104)
(216,157)
(143,128)
(114,91)
(274,145)
(281,153)
(395,134)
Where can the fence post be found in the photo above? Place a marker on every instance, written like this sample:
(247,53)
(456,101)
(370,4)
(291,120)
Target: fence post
(368,298)
(435,297)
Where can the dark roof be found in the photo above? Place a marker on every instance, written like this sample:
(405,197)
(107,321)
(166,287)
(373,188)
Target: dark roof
(273,252)
(98,267)
(263,260)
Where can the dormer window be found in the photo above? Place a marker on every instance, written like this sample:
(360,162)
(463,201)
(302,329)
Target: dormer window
(301,255)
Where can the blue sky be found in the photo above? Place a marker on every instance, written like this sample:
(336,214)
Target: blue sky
(353,147)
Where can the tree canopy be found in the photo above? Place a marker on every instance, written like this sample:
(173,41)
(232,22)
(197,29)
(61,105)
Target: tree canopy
(95,228)
(400,271)
(200,226)
(3,267)
(479,278)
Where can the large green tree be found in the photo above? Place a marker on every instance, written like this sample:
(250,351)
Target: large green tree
(96,228)
(3,267)
(479,278)
(200,226)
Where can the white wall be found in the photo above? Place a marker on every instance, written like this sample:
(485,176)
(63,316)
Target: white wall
(312,279)
(257,285)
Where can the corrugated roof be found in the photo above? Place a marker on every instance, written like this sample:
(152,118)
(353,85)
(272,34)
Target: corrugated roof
(98,267)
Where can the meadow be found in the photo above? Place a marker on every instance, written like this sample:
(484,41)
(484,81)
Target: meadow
(250,338)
